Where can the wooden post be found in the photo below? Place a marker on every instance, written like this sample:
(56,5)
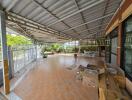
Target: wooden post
(119,44)
(119,40)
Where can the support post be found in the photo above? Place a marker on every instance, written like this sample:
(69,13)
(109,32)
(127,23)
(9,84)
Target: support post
(36,55)
(11,62)
(35,44)
(119,48)
(119,44)
(4,53)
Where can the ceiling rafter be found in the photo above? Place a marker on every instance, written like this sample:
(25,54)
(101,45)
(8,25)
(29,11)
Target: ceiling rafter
(36,25)
(91,29)
(94,27)
(87,35)
(52,14)
(94,31)
(24,31)
(26,25)
(82,16)
(90,21)
(92,5)
(21,30)
(21,18)
(105,9)
(50,17)
(96,10)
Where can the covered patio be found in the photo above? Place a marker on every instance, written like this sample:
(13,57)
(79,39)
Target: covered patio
(98,24)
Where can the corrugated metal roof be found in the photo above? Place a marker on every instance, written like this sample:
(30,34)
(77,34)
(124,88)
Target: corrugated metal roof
(71,19)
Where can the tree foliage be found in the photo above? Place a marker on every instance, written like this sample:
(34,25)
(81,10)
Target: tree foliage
(55,47)
(17,40)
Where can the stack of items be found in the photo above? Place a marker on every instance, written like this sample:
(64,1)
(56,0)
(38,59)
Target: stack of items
(109,81)
(90,78)
(88,75)
(112,84)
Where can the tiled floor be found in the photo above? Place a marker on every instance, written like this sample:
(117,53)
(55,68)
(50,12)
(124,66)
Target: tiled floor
(52,80)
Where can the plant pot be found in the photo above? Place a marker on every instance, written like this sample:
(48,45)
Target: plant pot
(44,56)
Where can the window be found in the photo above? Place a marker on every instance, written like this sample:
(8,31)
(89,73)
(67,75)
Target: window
(114,50)
(107,52)
(111,49)
(127,45)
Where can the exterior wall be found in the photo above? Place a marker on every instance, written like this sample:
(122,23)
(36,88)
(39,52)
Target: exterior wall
(124,11)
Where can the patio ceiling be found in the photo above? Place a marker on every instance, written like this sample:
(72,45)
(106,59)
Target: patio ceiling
(59,20)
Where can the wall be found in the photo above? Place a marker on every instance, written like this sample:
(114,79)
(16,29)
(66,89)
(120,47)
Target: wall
(122,13)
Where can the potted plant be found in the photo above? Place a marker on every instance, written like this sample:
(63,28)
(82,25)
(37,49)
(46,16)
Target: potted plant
(44,55)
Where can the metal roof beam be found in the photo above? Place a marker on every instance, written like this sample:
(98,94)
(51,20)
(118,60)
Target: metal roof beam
(28,23)
(18,17)
(35,1)
(93,28)
(104,12)
(81,10)
(90,29)
(16,30)
(93,32)
(90,22)
(90,35)
(25,32)
(86,14)
(95,11)
(83,19)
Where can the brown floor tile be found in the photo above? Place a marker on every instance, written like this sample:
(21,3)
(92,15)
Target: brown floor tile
(51,80)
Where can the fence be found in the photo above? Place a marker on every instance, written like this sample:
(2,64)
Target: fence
(18,56)
(22,55)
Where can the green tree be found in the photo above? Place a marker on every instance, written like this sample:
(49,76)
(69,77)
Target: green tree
(17,40)
(55,47)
